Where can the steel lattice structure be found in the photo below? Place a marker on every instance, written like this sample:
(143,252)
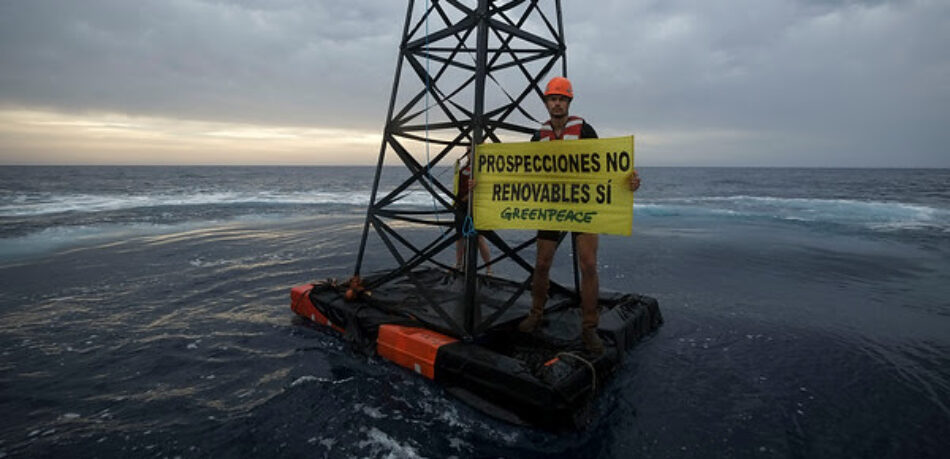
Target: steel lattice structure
(464,71)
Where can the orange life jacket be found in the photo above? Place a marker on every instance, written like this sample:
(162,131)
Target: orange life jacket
(572,129)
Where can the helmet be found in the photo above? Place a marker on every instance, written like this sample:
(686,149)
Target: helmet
(559,85)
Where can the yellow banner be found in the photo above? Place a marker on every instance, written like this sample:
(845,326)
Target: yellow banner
(565,185)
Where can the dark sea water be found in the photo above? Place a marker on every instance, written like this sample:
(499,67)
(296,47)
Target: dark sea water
(144,312)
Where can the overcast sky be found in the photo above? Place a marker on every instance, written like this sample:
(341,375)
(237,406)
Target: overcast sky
(706,83)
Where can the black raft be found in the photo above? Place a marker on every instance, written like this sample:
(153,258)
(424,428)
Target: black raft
(544,379)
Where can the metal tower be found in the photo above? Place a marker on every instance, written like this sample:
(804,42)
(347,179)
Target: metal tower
(470,66)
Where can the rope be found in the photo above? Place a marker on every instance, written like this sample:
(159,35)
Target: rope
(503,90)
(468,227)
(593,372)
(428,90)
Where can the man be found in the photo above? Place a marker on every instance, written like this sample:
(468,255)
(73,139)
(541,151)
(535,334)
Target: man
(557,99)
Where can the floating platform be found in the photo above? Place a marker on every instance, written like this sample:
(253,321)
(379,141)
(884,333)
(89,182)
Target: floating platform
(543,379)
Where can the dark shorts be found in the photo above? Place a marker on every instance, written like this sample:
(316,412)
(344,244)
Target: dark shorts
(460,215)
(549,235)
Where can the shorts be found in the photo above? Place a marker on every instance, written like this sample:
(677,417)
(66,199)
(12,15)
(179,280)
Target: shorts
(549,235)
(460,215)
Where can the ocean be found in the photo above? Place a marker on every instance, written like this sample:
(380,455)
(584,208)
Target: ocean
(144,312)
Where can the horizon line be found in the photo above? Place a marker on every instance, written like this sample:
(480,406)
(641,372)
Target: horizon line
(449,165)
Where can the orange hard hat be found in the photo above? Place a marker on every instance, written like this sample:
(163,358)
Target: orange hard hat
(559,85)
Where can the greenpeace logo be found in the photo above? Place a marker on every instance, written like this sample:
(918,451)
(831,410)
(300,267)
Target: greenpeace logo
(546,215)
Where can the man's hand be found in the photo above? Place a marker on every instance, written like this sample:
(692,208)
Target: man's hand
(633,180)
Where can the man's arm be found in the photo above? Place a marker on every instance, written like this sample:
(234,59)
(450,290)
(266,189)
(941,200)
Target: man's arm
(633,179)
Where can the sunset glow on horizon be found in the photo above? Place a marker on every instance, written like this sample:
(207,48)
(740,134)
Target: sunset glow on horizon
(111,138)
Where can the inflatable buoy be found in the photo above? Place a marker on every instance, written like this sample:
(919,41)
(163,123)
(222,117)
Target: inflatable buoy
(544,379)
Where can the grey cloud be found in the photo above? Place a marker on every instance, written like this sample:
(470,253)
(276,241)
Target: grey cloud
(804,82)
(858,78)
(269,62)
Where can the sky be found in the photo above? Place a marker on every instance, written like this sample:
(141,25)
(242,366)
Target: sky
(760,83)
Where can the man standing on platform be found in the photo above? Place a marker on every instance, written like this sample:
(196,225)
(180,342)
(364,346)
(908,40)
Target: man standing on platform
(557,99)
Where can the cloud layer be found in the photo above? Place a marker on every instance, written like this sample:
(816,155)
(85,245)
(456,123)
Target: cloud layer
(745,82)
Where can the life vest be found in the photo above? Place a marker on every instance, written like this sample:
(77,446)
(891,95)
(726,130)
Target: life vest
(572,129)
(462,176)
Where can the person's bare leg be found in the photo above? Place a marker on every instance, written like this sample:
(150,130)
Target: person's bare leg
(539,285)
(486,254)
(590,290)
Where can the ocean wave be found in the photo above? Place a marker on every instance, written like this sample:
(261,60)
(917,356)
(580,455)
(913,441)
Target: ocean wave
(876,215)
(55,238)
(39,204)
(39,231)
(36,205)
(58,237)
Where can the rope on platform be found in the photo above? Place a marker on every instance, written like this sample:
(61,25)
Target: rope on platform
(428,90)
(468,227)
(428,166)
(593,372)
(428,175)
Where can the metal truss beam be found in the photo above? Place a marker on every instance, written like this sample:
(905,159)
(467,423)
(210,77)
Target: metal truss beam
(458,52)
